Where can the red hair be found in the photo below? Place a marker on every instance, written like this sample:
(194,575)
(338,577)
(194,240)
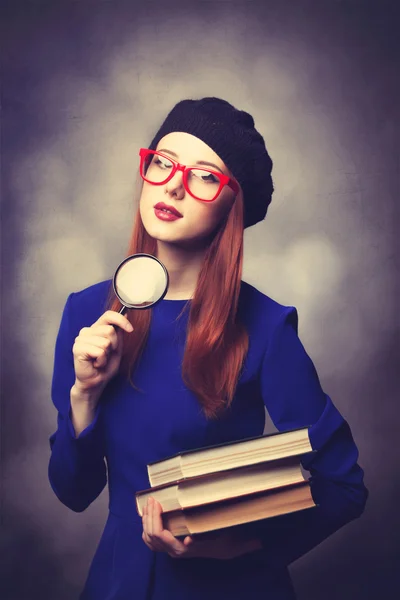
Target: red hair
(216,341)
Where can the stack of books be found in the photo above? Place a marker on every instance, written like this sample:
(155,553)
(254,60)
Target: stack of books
(230,484)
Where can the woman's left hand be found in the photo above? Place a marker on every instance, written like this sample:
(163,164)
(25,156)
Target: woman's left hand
(224,545)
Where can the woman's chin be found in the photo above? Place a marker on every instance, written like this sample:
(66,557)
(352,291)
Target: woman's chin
(167,233)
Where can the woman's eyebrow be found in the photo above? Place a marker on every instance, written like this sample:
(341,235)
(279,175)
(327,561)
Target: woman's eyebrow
(199,162)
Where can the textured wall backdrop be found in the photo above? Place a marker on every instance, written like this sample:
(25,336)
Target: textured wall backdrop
(84,85)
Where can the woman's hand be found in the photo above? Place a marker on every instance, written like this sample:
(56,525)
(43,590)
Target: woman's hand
(97,352)
(222,545)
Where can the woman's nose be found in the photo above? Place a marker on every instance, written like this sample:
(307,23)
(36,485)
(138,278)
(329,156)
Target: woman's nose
(175,185)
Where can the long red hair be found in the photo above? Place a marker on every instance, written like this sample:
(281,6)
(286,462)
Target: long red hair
(216,341)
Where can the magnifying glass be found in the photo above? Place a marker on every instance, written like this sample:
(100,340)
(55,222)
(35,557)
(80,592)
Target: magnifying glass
(140,281)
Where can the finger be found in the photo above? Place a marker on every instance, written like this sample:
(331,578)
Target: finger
(99,341)
(149,517)
(144,517)
(146,521)
(162,537)
(150,527)
(111,317)
(145,536)
(188,541)
(154,536)
(84,352)
(156,512)
(105,332)
(147,541)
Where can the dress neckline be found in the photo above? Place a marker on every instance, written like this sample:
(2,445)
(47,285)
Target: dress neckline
(176,299)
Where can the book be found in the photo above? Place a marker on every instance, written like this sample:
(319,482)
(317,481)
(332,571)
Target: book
(239,511)
(221,457)
(215,487)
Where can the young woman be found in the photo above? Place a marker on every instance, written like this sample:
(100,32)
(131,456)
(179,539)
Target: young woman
(196,369)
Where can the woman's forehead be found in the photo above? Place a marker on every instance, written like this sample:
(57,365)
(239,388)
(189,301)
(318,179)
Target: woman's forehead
(189,148)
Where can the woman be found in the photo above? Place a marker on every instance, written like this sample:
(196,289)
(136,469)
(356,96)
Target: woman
(197,369)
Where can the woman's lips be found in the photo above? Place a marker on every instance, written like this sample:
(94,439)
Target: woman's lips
(165,216)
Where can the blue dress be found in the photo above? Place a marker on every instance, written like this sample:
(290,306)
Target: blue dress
(132,429)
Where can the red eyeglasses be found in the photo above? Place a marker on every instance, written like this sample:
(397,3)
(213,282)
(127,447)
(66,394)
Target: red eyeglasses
(201,183)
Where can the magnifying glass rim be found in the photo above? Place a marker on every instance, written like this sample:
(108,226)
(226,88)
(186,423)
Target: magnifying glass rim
(135,306)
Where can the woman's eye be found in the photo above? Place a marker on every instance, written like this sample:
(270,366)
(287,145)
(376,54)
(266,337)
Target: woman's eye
(163,163)
(205,176)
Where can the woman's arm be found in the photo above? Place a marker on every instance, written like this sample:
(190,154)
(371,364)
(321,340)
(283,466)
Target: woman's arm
(294,398)
(77,471)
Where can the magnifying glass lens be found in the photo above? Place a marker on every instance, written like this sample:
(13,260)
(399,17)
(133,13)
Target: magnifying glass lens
(140,281)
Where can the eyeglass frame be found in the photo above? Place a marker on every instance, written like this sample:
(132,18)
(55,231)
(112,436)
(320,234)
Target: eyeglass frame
(176,166)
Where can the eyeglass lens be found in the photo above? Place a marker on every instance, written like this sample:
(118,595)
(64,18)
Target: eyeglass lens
(201,183)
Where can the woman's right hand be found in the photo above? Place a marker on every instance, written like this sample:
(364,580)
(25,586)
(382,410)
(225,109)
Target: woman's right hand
(97,352)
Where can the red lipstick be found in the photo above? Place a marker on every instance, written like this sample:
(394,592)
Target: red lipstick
(166,212)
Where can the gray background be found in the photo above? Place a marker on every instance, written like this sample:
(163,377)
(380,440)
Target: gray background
(84,85)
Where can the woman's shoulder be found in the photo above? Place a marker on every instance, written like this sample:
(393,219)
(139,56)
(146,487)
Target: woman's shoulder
(259,307)
(89,303)
(95,291)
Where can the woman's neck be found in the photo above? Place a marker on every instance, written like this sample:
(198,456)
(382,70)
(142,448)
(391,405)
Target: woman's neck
(183,268)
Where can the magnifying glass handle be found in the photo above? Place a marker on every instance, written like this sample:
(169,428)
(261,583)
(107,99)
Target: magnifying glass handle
(121,312)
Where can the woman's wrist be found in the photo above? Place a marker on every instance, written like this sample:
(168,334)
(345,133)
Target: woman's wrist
(83,408)
(84,396)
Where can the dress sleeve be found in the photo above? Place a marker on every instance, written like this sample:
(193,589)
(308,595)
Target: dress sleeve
(77,471)
(294,398)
